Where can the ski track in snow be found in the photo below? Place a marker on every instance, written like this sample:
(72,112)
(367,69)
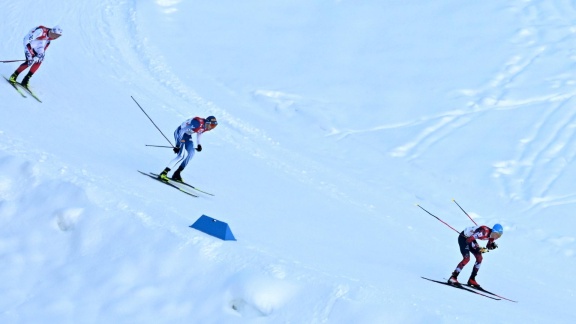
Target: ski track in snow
(548,148)
(134,47)
(145,62)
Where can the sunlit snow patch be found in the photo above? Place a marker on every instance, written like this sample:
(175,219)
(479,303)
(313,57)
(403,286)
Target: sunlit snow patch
(169,4)
(251,295)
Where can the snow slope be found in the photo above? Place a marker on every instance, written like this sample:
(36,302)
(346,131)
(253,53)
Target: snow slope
(335,119)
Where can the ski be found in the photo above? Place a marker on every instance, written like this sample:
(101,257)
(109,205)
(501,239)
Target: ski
(490,293)
(186,184)
(461,287)
(15,87)
(27,90)
(167,183)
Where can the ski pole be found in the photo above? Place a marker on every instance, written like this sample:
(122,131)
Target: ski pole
(10,61)
(159,146)
(438,218)
(152,121)
(465,212)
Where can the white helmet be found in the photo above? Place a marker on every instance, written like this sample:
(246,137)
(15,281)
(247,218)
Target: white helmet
(56,30)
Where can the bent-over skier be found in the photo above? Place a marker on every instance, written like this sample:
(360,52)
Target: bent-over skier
(36,43)
(183,138)
(467,242)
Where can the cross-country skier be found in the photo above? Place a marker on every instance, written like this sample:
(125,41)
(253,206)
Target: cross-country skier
(467,242)
(183,137)
(36,43)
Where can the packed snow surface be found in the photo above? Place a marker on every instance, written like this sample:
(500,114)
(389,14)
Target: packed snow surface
(336,118)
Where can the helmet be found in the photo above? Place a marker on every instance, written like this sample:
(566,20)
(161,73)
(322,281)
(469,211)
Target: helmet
(497,231)
(211,120)
(56,30)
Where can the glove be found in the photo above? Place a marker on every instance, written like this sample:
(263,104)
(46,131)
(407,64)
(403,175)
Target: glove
(29,58)
(38,58)
(176,149)
(492,246)
(483,250)
(33,60)
(199,148)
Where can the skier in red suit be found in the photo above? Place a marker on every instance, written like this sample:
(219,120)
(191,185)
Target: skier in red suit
(36,43)
(467,242)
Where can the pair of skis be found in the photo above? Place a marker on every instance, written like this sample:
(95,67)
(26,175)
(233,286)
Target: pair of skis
(22,90)
(475,290)
(176,184)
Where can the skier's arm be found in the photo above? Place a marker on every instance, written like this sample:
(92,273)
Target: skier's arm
(491,244)
(198,137)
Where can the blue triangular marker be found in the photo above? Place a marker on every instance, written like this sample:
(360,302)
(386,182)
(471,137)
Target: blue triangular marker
(214,227)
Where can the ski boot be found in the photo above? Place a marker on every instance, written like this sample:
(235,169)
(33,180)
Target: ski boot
(25,81)
(454,279)
(176,176)
(13,78)
(164,175)
(472,283)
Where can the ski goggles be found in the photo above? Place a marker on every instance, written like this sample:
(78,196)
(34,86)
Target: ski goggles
(495,235)
(211,124)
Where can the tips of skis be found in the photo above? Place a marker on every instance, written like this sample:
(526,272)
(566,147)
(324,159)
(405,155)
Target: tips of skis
(490,293)
(29,91)
(20,88)
(15,87)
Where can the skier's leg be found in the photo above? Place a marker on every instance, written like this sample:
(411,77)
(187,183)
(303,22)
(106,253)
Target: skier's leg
(176,133)
(33,70)
(164,174)
(477,264)
(182,156)
(465,251)
(29,54)
(19,70)
(461,264)
(179,158)
(189,146)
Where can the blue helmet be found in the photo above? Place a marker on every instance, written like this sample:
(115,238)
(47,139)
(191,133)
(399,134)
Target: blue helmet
(497,231)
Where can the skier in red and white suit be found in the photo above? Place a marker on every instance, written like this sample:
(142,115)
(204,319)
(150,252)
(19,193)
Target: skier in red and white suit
(36,43)
(467,242)
(184,146)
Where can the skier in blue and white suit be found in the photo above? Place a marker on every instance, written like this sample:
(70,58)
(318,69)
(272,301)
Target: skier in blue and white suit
(183,138)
